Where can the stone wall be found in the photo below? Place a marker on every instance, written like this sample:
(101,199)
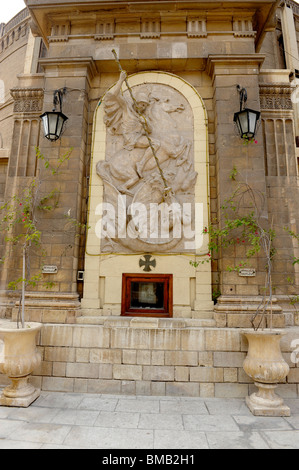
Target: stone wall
(151,357)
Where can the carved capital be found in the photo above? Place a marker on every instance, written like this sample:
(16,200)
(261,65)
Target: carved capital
(27,100)
(275,96)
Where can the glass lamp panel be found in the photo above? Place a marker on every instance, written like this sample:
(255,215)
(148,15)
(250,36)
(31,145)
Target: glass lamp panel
(60,122)
(243,119)
(53,124)
(252,118)
(45,124)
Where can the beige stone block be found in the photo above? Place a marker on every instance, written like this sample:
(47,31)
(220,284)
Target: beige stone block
(128,387)
(220,319)
(144,357)
(206,374)
(104,386)
(293,376)
(229,359)
(230,375)
(228,390)
(144,322)
(82,355)
(205,359)
(58,384)
(287,390)
(80,385)
(59,369)
(182,389)
(87,336)
(158,358)
(239,320)
(158,373)
(181,374)
(193,339)
(247,290)
(129,357)
(127,372)
(126,338)
(60,354)
(207,390)
(44,369)
(106,356)
(105,371)
(143,388)
(158,388)
(222,340)
(181,358)
(56,335)
(243,377)
(88,371)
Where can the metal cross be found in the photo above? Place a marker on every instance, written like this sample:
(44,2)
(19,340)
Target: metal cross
(147,263)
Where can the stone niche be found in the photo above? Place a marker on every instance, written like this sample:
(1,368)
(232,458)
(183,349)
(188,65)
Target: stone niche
(149,193)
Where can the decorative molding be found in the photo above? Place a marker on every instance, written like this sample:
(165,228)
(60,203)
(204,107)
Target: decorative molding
(105,29)
(27,100)
(150,28)
(216,63)
(242,28)
(84,63)
(60,32)
(196,27)
(275,96)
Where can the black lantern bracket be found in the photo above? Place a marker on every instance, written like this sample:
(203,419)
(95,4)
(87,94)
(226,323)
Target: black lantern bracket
(243,96)
(58,97)
(246,119)
(54,121)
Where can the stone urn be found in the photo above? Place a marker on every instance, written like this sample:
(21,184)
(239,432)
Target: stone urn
(18,358)
(265,365)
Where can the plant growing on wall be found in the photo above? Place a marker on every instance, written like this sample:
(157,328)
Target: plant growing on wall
(20,224)
(242,223)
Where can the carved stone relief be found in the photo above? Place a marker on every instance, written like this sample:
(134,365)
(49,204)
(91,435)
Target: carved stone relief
(148,172)
(27,100)
(276,97)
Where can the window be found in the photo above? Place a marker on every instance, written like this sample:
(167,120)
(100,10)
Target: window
(147,295)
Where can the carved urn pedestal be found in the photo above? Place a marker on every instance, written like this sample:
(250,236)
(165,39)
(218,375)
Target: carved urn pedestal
(18,359)
(265,365)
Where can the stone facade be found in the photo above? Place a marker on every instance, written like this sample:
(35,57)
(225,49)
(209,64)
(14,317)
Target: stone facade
(192,58)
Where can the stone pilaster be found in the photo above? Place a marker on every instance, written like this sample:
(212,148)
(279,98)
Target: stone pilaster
(61,230)
(227,72)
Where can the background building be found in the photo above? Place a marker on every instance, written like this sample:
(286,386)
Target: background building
(188,58)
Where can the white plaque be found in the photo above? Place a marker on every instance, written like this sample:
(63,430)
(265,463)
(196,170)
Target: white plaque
(50,270)
(247,272)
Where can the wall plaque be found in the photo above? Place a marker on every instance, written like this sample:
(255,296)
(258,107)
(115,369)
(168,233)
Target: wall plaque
(50,269)
(247,272)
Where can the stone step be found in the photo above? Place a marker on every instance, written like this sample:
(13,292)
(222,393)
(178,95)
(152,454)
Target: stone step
(139,322)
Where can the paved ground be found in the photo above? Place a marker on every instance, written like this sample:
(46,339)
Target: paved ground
(75,421)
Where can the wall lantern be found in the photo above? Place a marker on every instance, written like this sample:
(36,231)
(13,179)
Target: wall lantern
(246,119)
(54,121)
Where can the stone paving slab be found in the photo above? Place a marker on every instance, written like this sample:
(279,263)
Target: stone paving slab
(118,422)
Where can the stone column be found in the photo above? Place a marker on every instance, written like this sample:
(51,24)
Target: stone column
(227,72)
(61,229)
(27,106)
(291,49)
